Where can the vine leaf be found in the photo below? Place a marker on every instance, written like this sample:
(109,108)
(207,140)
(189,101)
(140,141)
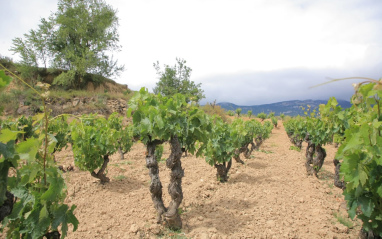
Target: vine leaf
(8,135)
(28,149)
(64,216)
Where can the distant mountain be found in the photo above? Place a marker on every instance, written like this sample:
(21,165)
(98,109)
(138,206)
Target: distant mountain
(291,108)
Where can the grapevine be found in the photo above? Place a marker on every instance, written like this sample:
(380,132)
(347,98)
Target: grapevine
(38,185)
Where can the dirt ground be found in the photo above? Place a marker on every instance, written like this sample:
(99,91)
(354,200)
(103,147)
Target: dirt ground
(268,197)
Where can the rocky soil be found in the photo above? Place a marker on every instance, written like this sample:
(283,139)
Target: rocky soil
(269,196)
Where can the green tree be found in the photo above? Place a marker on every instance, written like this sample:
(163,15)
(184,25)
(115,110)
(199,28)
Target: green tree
(249,113)
(176,79)
(75,39)
(238,112)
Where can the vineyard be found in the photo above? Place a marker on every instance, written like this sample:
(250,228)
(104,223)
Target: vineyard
(92,176)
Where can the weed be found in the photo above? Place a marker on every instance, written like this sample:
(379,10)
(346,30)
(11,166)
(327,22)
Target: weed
(266,151)
(295,148)
(343,220)
(173,234)
(120,177)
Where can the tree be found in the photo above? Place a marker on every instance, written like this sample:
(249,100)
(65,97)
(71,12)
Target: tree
(176,79)
(75,39)
(249,113)
(238,112)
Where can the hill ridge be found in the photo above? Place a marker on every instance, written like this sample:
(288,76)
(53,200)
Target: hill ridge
(290,107)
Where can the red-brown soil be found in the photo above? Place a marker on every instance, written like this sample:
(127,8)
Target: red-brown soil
(268,197)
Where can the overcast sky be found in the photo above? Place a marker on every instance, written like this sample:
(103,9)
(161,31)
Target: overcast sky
(246,52)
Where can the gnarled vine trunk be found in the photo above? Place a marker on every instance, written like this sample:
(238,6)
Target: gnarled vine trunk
(248,152)
(363,234)
(337,182)
(101,173)
(318,161)
(7,206)
(222,171)
(310,149)
(237,153)
(298,142)
(259,142)
(175,187)
(156,185)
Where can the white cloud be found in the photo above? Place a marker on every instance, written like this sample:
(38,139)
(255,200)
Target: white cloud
(234,37)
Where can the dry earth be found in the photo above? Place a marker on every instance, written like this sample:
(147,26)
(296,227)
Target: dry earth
(268,197)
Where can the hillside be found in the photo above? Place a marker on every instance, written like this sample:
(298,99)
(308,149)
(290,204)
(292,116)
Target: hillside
(97,94)
(291,108)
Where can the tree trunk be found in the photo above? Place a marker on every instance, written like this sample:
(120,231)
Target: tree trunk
(310,149)
(173,162)
(101,173)
(318,161)
(337,182)
(156,185)
(222,171)
(7,206)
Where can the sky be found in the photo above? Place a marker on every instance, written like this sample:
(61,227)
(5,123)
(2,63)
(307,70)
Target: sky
(246,52)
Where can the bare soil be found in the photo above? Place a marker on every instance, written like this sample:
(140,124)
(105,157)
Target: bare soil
(270,196)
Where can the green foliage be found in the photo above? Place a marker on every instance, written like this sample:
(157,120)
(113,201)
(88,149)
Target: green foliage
(4,80)
(213,109)
(361,156)
(159,152)
(238,112)
(230,113)
(37,185)
(249,113)
(262,116)
(59,128)
(220,146)
(292,147)
(157,117)
(76,39)
(270,115)
(94,138)
(296,128)
(274,121)
(176,79)
(282,116)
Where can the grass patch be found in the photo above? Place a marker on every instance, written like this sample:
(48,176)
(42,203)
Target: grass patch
(295,148)
(173,234)
(343,220)
(266,151)
(120,177)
